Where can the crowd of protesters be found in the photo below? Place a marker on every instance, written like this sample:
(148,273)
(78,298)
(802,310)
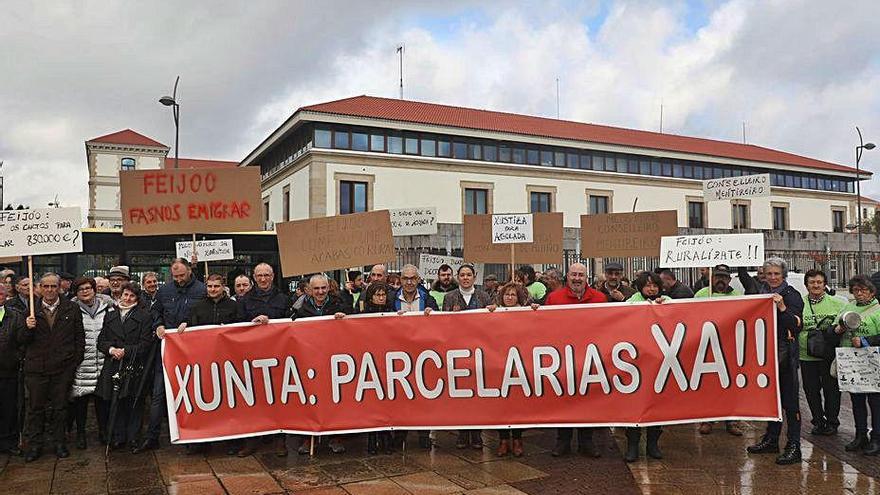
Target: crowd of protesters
(93,341)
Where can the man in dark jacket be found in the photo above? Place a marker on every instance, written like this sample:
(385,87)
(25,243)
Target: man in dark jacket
(21,299)
(264,302)
(217,308)
(789,318)
(11,324)
(673,287)
(173,307)
(612,287)
(412,296)
(54,344)
(701,282)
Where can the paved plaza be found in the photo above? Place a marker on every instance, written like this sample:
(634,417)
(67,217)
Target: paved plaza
(693,464)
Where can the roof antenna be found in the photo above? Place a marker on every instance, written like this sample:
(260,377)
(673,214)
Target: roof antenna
(400,51)
(557,98)
(661,115)
(744,132)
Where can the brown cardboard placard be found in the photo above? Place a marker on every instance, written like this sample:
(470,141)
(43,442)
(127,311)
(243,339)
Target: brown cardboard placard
(330,243)
(546,248)
(183,201)
(7,260)
(621,235)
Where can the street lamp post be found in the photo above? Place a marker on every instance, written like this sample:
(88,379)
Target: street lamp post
(171,101)
(859,149)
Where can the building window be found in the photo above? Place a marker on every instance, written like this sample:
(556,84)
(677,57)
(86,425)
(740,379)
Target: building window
(340,139)
(352,197)
(696,214)
(504,153)
(377,142)
(476,201)
(127,164)
(539,202)
(490,153)
(429,147)
(411,145)
(266,210)
(837,220)
(519,155)
(459,150)
(322,137)
(532,157)
(780,216)
(598,204)
(444,148)
(359,141)
(475,151)
(741,215)
(285,203)
(395,144)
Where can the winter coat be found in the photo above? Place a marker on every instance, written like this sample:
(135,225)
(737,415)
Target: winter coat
(211,312)
(426,300)
(332,305)
(454,300)
(10,352)
(135,335)
(17,304)
(174,303)
(86,378)
(679,291)
(626,290)
(57,348)
(272,303)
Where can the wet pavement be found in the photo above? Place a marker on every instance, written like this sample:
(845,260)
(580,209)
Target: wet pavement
(694,464)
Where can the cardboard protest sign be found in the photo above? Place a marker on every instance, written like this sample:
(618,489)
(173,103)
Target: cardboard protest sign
(626,234)
(185,201)
(676,362)
(213,250)
(40,231)
(694,251)
(743,187)
(413,221)
(858,369)
(546,246)
(511,229)
(8,260)
(430,263)
(330,243)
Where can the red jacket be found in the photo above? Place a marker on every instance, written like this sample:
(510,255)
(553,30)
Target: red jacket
(564,295)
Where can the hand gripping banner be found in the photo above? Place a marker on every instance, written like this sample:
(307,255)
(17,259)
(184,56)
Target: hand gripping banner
(590,365)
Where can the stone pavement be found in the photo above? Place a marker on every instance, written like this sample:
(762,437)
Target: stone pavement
(693,464)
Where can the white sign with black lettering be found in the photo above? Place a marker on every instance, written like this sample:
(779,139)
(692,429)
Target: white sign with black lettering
(693,251)
(512,229)
(413,221)
(858,369)
(746,186)
(40,231)
(212,250)
(430,263)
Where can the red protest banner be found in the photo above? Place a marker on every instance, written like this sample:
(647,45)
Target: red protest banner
(594,365)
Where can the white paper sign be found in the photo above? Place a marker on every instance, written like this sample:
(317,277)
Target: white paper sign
(512,229)
(430,263)
(746,186)
(691,251)
(858,369)
(413,221)
(212,250)
(40,231)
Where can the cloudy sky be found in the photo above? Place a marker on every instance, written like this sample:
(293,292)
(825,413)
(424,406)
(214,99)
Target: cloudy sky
(801,74)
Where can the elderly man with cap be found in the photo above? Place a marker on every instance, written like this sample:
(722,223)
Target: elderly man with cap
(118,275)
(490,284)
(720,287)
(612,287)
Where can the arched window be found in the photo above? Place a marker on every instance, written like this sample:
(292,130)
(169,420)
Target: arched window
(128,164)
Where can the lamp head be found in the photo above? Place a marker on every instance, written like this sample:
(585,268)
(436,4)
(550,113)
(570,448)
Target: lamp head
(869,146)
(167,101)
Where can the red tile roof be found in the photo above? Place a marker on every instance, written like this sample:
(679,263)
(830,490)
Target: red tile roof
(469,118)
(198,163)
(127,136)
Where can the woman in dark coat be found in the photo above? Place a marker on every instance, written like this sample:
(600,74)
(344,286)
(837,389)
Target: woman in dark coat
(125,339)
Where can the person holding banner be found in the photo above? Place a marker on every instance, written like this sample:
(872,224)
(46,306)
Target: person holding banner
(613,287)
(576,291)
(412,296)
(789,321)
(648,286)
(866,305)
(511,295)
(820,312)
(444,283)
(174,303)
(217,308)
(11,324)
(126,336)
(54,342)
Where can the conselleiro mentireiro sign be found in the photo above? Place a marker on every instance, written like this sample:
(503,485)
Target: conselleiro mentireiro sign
(693,251)
(512,229)
(207,250)
(743,187)
(40,231)
(413,221)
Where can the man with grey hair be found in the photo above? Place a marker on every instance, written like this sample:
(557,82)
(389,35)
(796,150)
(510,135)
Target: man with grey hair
(412,296)
(378,273)
(54,345)
(789,321)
